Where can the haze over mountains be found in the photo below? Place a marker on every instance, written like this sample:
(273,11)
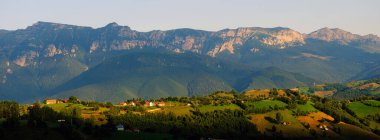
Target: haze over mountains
(114,62)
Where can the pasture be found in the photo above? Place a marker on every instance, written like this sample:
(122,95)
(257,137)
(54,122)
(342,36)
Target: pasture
(266,104)
(210,108)
(362,110)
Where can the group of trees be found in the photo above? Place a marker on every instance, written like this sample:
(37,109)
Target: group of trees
(337,109)
(9,109)
(217,124)
(38,117)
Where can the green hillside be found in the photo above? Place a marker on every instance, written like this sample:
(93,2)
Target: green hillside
(34,81)
(277,78)
(154,75)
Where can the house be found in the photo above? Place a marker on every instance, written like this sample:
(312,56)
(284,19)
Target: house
(50,101)
(120,127)
(122,103)
(152,104)
(132,104)
(160,104)
(61,121)
(146,103)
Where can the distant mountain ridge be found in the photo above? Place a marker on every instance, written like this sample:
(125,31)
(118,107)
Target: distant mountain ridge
(47,55)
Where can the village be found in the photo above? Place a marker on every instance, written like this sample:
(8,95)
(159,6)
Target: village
(86,113)
(129,103)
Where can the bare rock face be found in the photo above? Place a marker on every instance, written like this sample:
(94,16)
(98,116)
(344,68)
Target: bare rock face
(26,58)
(94,46)
(9,71)
(52,51)
(126,44)
(284,38)
(279,38)
(225,46)
(21,61)
(188,43)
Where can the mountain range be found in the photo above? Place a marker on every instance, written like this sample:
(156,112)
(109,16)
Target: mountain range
(113,63)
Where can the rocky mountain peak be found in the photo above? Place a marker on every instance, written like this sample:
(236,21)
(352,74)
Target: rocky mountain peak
(333,34)
(372,38)
(112,24)
(41,25)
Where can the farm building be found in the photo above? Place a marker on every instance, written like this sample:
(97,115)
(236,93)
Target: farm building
(152,104)
(132,104)
(51,101)
(147,103)
(123,104)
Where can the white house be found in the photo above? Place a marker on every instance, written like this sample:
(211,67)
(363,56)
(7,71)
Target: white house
(120,127)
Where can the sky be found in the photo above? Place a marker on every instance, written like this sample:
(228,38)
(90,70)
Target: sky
(357,16)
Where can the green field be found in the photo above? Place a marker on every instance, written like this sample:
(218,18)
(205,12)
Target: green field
(295,129)
(57,107)
(362,110)
(374,103)
(264,122)
(178,110)
(308,107)
(209,108)
(266,104)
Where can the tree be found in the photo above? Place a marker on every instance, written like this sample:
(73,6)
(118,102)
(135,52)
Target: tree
(233,91)
(279,117)
(73,99)
(274,91)
(9,109)
(274,129)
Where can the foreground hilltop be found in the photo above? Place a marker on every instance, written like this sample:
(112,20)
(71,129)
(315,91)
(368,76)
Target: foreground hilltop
(254,114)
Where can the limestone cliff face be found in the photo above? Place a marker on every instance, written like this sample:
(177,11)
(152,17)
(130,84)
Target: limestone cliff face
(94,46)
(26,58)
(284,38)
(51,39)
(51,51)
(20,61)
(278,38)
(225,46)
(202,42)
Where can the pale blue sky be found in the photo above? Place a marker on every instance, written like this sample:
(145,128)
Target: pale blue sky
(357,16)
